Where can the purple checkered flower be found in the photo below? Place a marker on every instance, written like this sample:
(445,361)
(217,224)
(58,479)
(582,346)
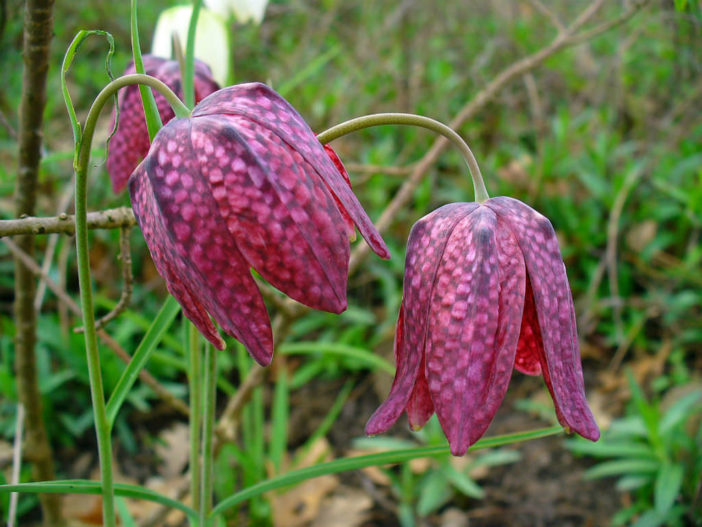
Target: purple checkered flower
(244,183)
(131,142)
(485,291)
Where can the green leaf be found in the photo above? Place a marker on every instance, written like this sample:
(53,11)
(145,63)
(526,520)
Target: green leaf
(627,483)
(83,486)
(362,355)
(680,411)
(464,483)
(124,514)
(434,492)
(622,466)
(649,519)
(606,448)
(161,323)
(279,421)
(384,458)
(668,483)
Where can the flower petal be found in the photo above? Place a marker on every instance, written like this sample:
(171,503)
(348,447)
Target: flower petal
(556,314)
(420,406)
(474,326)
(530,348)
(425,249)
(261,104)
(165,255)
(206,257)
(284,221)
(130,142)
(348,222)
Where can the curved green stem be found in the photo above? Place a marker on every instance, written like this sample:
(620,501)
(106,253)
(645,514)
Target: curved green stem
(102,423)
(210,388)
(367,121)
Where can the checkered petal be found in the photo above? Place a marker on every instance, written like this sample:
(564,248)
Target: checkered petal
(130,143)
(560,361)
(190,242)
(265,107)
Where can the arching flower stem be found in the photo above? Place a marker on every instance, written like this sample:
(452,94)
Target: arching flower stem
(378,119)
(102,424)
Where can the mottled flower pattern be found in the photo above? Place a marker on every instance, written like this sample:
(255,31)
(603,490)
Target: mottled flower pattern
(244,183)
(130,143)
(485,291)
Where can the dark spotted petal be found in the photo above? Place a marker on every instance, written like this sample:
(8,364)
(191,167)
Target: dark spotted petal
(207,259)
(261,104)
(348,222)
(530,349)
(474,326)
(165,256)
(425,249)
(131,142)
(284,221)
(420,406)
(556,315)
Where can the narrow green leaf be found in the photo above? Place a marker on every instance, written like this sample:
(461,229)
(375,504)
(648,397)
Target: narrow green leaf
(680,411)
(279,421)
(622,466)
(124,515)
(606,448)
(668,483)
(433,492)
(364,356)
(464,483)
(384,458)
(627,483)
(307,71)
(161,323)
(83,486)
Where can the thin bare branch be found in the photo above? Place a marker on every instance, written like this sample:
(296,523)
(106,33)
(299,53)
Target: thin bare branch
(66,224)
(552,17)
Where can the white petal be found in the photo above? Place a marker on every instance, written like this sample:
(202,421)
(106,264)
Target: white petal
(211,38)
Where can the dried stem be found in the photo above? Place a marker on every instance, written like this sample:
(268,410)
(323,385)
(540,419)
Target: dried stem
(66,224)
(38,30)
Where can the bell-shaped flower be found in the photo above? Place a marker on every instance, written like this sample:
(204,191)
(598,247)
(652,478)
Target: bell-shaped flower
(212,42)
(244,183)
(130,142)
(485,291)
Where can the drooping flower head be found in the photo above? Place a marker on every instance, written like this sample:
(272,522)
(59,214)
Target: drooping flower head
(130,143)
(485,291)
(245,183)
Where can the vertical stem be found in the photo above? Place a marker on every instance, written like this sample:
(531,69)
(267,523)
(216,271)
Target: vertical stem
(38,30)
(97,392)
(189,75)
(207,483)
(195,382)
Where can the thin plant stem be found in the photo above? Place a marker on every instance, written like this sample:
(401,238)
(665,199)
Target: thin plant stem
(195,388)
(153,118)
(208,417)
(102,424)
(189,75)
(378,119)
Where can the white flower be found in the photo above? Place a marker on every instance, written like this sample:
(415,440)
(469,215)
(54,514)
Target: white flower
(243,10)
(211,38)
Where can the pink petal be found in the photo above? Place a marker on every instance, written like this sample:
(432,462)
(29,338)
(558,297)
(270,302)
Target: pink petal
(165,256)
(130,142)
(203,252)
(530,348)
(259,103)
(420,406)
(284,220)
(474,326)
(425,248)
(348,222)
(556,314)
